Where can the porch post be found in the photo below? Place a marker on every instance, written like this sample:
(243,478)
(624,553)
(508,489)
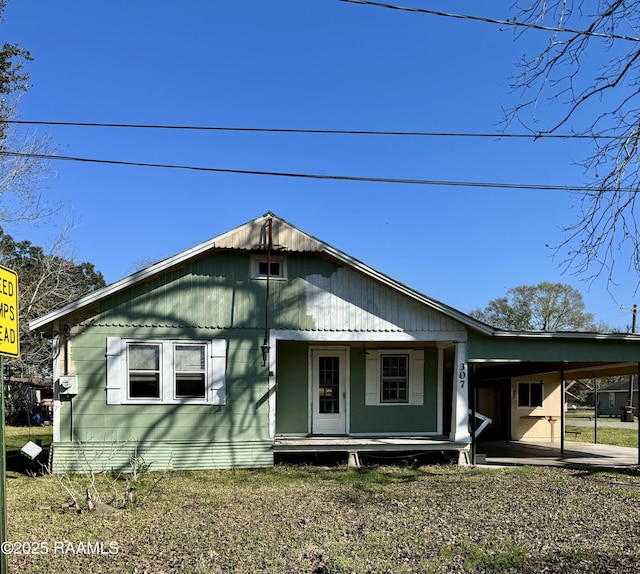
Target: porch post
(473,394)
(563,400)
(460,399)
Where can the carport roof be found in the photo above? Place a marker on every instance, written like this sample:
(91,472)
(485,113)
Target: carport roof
(498,371)
(576,355)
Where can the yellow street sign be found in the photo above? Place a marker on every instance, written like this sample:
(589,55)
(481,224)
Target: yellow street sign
(9,328)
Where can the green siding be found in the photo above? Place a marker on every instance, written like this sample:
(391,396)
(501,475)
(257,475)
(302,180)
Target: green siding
(243,418)
(213,296)
(99,456)
(394,419)
(215,292)
(292,396)
(292,400)
(210,297)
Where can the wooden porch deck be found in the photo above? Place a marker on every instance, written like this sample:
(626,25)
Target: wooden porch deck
(354,445)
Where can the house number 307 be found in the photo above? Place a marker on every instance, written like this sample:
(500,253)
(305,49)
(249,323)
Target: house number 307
(462,374)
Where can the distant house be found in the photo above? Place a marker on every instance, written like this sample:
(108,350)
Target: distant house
(614,397)
(32,399)
(267,340)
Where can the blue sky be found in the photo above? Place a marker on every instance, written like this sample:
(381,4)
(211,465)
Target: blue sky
(317,64)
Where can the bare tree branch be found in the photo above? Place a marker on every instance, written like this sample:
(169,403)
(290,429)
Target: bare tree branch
(590,82)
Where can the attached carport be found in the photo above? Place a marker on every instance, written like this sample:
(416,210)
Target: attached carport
(496,360)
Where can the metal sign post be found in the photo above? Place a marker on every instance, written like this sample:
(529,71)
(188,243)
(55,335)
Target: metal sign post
(4,566)
(9,346)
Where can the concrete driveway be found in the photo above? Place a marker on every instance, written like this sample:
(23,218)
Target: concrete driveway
(576,454)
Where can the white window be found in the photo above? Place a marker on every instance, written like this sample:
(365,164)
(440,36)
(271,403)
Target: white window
(275,267)
(530,395)
(165,371)
(394,377)
(612,400)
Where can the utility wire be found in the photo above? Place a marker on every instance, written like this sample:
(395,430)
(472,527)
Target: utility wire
(538,187)
(539,135)
(495,20)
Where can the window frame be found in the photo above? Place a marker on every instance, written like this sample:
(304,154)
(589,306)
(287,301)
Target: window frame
(118,372)
(158,370)
(256,260)
(395,379)
(202,371)
(374,378)
(529,401)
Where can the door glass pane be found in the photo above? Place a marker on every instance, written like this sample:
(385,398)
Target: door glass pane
(329,385)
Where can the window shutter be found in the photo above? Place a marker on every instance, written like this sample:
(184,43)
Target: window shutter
(417,378)
(218,371)
(114,370)
(371,380)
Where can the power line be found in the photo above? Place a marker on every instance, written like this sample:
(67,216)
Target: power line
(494,185)
(496,135)
(495,20)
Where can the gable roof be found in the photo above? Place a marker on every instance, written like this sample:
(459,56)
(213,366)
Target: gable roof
(621,386)
(252,236)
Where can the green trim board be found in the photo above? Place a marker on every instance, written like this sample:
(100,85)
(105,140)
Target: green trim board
(556,347)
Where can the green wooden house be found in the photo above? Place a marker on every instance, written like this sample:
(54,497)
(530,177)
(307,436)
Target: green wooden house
(265,339)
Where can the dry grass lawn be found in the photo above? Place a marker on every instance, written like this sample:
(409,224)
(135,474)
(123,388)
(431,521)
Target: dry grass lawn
(335,520)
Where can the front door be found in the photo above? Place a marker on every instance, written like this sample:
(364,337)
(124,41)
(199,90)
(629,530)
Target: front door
(328,385)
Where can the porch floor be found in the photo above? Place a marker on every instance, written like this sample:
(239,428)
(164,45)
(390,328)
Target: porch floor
(355,444)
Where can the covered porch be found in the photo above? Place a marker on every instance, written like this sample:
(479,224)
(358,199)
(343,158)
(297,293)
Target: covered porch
(373,396)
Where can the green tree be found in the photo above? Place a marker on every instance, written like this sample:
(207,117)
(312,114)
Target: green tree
(46,281)
(543,307)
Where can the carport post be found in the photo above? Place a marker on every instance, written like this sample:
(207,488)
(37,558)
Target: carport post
(595,410)
(563,398)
